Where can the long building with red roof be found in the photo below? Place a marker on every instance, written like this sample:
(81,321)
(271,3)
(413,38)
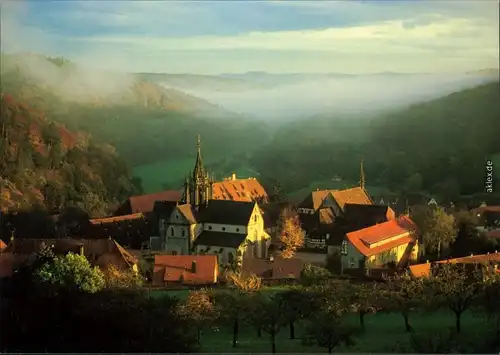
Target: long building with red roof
(391,242)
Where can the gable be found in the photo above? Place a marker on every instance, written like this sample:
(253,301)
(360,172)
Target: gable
(177,217)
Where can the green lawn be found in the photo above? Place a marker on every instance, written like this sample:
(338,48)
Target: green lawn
(385,332)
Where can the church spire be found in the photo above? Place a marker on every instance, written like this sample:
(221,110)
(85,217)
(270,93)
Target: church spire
(198,167)
(362,176)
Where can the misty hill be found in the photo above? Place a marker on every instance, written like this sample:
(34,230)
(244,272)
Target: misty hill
(144,121)
(46,166)
(438,146)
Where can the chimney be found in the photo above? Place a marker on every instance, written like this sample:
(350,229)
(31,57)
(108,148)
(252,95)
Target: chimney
(81,250)
(471,254)
(427,261)
(193,267)
(233,177)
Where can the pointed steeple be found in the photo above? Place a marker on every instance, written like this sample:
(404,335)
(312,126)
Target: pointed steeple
(198,167)
(362,176)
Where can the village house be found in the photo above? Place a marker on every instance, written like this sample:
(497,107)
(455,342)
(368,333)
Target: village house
(182,270)
(131,231)
(99,252)
(145,203)
(229,225)
(390,243)
(489,218)
(274,270)
(356,217)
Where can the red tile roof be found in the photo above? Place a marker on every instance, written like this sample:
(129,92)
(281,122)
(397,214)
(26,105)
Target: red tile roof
(2,245)
(355,195)
(245,190)
(126,217)
(401,228)
(145,203)
(173,268)
(420,270)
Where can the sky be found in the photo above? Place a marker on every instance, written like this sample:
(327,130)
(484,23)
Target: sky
(208,37)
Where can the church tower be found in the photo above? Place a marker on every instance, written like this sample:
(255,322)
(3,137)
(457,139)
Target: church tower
(362,176)
(198,186)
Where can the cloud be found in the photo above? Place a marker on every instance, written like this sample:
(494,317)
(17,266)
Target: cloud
(214,37)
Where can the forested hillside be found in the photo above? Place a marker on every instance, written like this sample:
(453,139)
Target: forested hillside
(438,146)
(145,122)
(44,166)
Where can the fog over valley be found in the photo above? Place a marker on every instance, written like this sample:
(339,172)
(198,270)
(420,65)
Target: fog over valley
(302,95)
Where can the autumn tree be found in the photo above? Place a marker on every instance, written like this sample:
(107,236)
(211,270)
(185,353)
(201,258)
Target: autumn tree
(437,228)
(200,309)
(244,283)
(456,286)
(403,294)
(291,235)
(314,275)
(72,271)
(118,278)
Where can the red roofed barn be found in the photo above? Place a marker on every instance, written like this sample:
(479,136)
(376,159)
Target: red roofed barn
(197,270)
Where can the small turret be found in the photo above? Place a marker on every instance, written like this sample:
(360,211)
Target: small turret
(362,176)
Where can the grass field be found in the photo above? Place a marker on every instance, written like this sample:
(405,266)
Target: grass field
(385,332)
(172,172)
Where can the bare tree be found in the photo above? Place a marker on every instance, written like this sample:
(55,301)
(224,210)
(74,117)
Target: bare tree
(200,309)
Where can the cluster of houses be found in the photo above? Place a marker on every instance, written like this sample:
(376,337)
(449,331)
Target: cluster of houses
(210,226)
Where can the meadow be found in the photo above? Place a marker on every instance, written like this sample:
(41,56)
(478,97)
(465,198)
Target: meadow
(384,332)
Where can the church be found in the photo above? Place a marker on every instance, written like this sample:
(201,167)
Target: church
(217,218)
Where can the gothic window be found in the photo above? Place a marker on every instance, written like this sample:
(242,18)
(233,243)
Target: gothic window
(230,258)
(183,233)
(255,218)
(343,250)
(171,231)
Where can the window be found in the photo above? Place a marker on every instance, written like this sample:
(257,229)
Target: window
(237,229)
(255,218)
(223,228)
(171,231)
(210,227)
(230,258)
(174,253)
(183,233)
(343,250)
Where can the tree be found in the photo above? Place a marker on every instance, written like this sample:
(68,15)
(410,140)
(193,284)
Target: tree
(489,300)
(296,307)
(244,283)
(325,327)
(233,306)
(456,286)
(404,294)
(363,299)
(200,309)
(72,271)
(291,233)
(314,275)
(437,228)
(267,314)
(117,278)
